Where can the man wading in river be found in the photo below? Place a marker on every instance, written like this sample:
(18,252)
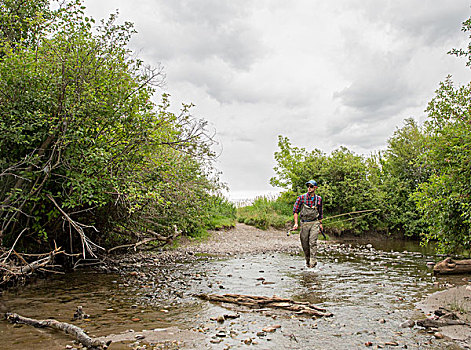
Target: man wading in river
(309,208)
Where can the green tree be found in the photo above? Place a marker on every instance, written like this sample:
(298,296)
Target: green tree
(347,182)
(403,170)
(84,152)
(445,198)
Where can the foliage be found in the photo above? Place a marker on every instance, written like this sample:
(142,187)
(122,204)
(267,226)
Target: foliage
(445,199)
(421,182)
(345,181)
(222,214)
(265,212)
(403,169)
(84,153)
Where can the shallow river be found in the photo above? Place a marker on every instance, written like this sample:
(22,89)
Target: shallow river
(370,290)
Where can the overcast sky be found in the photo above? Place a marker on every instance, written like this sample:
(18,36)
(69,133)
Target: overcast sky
(322,73)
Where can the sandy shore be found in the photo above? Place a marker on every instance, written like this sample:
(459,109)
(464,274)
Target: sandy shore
(457,300)
(244,239)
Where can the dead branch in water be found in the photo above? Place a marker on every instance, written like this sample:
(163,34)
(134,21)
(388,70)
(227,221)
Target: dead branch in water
(156,237)
(259,302)
(450,266)
(135,245)
(21,268)
(76,332)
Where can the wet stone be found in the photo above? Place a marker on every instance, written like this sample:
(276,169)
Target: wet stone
(408,324)
(438,335)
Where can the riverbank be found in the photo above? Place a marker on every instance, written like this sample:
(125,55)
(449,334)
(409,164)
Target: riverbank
(149,298)
(456,300)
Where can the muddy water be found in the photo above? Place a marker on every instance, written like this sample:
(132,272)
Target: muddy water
(370,289)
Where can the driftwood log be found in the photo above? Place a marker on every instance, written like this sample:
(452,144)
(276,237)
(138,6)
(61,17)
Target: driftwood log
(76,332)
(450,266)
(442,317)
(260,302)
(14,269)
(428,323)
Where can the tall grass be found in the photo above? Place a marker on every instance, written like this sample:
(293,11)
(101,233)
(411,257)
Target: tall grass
(267,211)
(221,214)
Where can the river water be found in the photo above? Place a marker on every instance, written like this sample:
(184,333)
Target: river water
(371,289)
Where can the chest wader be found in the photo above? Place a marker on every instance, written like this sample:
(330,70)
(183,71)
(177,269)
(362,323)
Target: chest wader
(309,232)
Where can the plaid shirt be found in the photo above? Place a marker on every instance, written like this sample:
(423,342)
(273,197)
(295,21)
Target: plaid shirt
(310,201)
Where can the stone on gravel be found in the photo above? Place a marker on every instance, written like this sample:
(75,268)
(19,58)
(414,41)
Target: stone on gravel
(408,324)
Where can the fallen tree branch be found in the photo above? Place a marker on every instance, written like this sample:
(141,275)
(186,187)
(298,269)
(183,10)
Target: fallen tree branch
(30,267)
(10,270)
(450,266)
(135,245)
(259,302)
(13,246)
(429,323)
(157,237)
(87,244)
(76,332)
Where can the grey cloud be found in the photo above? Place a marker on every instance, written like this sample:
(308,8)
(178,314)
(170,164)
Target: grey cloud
(428,21)
(380,85)
(360,136)
(202,30)
(379,98)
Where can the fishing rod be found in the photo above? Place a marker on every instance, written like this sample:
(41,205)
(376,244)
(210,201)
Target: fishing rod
(364,212)
(369,211)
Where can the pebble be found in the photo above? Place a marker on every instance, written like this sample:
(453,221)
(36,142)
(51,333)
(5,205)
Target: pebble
(408,324)
(271,329)
(391,343)
(438,335)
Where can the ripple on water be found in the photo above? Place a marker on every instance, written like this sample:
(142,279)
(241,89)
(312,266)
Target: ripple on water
(370,291)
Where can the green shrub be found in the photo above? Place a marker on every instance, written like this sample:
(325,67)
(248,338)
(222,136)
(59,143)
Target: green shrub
(266,212)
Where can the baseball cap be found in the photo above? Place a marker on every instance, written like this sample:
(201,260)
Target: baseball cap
(312,182)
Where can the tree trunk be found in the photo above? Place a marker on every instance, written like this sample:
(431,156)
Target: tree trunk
(450,266)
(252,301)
(76,332)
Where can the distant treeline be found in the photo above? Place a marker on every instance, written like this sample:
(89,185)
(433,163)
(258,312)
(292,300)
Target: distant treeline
(87,160)
(421,183)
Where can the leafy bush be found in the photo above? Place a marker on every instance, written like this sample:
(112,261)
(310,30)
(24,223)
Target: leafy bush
(85,155)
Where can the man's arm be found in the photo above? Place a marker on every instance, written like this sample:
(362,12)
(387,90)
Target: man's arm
(296,208)
(321,214)
(295,227)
